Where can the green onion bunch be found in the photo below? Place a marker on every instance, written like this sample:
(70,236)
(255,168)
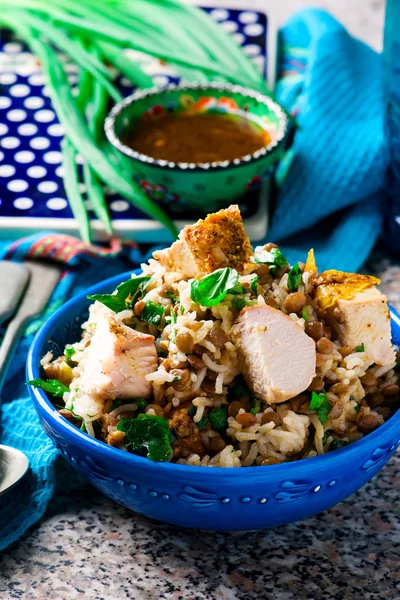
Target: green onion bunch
(93,34)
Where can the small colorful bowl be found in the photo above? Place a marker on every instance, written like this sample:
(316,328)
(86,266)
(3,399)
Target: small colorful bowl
(207,186)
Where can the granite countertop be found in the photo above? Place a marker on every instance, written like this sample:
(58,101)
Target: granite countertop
(88,547)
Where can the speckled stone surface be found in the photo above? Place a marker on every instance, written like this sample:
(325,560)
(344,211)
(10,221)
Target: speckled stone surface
(88,547)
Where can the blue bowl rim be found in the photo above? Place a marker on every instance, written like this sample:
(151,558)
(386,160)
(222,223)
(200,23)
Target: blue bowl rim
(288,469)
(109,127)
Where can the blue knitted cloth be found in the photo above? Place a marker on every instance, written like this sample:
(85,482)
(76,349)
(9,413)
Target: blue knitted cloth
(330,200)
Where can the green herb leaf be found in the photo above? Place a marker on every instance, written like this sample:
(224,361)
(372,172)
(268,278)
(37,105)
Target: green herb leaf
(321,405)
(273,257)
(51,386)
(69,353)
(202,423)
(360,348)
(218,418)
(253,285)
(83,427)
(113,302)
(294,278)
(337,443)
(176,378)
(325,437)
(304,313)
(238,303)
(240,389)
(212,289)
(357,408)
(117,301)
(152,313)
(192,411)
(172,297)
(238,288)
(147,434)
(256,408)
(173,320)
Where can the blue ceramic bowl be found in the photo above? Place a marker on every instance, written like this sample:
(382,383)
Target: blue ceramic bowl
(199,497)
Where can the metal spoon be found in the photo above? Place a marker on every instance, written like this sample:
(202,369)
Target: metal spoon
(43,277)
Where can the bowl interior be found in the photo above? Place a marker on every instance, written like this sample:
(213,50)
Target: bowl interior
(152,104)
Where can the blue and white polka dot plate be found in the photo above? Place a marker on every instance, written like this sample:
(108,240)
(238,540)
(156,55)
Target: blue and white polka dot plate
(31,190)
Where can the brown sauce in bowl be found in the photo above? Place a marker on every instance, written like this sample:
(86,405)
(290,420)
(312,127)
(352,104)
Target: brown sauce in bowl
(197,138)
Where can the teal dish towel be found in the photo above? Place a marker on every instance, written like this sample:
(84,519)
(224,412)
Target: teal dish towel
(333,196)
(331,200)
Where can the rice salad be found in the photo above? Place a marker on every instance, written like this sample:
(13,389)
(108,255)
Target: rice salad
(221,356)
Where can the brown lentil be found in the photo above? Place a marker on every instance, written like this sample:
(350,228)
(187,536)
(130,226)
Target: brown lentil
(235,406)
(263,270)
(271,460)
(184,381)
(184,342)
(246,419)
(369,380)
(272,302)
(385,412)
(375,400)
(300,403)
(270,416)
(138,308)
(327,332)
(336,410)
(339,316)
(218,337)
(319,360)
(67,414)
(317,385)
(345,351)
(195,361)
(367,423)
(217,444)
(294,302)
(338,388)
(325,346)
(315,330)
(391,390)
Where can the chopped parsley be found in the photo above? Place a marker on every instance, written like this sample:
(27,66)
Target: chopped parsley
(203,421)
(321,405)
(360,348)
(152,313)
(256,407)
(253,285)
(176,378)
(173,319)
(51,386)
(357,408)
(218,418)
(147,435)
(172,296)
(294,278)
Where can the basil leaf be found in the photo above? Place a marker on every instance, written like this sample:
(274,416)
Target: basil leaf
(51,386)
(360,348)
(253,285)
(117,301)
(273,257)
(113,302)
(294,278)
(212,289)
(149,435)
(152,313)
(238,288)
(218,418)
(321,405)
(256,408)
(202,423)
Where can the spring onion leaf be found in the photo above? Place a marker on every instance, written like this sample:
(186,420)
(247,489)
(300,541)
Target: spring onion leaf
(304,313)
(321,405)
(360,348)
(148,435)
(51,386)
(212,289)
(152,313)
(218,418)
(294,278)
(69,353)
(256,408)
(253,285)
(172,296)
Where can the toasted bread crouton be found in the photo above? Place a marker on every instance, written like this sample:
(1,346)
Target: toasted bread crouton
(212,243)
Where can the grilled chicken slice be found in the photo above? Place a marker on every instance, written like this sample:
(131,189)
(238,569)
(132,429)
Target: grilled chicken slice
(365,320)
(116,362)
(212,243)
(277,357)
(358,312)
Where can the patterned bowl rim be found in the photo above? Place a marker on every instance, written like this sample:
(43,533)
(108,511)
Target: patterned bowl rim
(66,430)
(273,106)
